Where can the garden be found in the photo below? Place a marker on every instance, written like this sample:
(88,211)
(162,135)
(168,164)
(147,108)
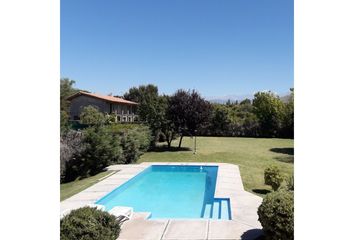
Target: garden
(257,135)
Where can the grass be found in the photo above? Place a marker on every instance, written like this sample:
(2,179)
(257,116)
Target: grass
(252,155)
(71,188)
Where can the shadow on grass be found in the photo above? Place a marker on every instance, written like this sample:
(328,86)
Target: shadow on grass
(253,234)
(261,191)
(287,154)
(286,159)
(164,148)
(289,151)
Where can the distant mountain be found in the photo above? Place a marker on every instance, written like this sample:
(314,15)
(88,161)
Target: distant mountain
(232,98)
(285,98)
(223,99)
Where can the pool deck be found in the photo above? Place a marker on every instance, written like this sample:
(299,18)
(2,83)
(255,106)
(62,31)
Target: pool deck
(244,224)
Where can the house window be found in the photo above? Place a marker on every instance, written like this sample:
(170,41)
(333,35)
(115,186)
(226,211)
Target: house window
(76,117)
(124,119)
(129,119)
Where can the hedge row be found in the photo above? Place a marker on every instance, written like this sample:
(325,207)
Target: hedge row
(88,152)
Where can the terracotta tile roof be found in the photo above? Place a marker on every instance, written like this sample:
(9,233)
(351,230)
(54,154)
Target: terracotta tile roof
(103,97)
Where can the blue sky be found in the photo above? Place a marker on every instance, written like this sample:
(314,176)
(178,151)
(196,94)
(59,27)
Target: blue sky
(219,47)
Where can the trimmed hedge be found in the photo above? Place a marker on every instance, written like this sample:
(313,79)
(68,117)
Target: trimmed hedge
(273,177)
(276,214)
(89,224)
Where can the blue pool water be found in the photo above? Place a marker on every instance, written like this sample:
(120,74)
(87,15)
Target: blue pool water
(169,191)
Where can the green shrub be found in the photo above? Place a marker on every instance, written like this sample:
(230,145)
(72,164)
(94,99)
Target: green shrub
(290,183)
(110,119)
(89,224)
(144,136)
(102,147)
(134,143)
(71,146)
(276,214)
(161,137)
(273,177)
(90,115)
(64,122)
(120,127)
(130,146)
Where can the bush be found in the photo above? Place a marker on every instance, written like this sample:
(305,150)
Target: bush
(71,146)
(290,183)
(161,137)
(276,214)
(64,122)
(89,224)
(273,177)
(90,115)
(100,146)
(130,146)
(110,118)
(135,140)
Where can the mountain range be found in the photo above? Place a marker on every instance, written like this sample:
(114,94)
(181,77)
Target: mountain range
(223,99)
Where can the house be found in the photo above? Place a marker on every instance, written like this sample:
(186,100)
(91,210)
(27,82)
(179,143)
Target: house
(123,110)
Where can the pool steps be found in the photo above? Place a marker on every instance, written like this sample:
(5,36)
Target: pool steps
(219,209)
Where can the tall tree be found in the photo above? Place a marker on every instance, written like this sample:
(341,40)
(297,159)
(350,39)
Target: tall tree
(151,108)
(269,109)
(288,117)
(66,89)
(188,111)
(246,101)
(220,121)
(166,126)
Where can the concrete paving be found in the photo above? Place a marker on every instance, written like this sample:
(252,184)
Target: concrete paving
(140,229)
(187,229)
(244,224)
(227,229)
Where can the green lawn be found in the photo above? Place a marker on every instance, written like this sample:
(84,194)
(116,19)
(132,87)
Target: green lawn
(71,188)
(252,155)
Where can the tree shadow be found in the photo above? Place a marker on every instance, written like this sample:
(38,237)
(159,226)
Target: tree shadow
(253,234)
(261,191)
(287,154)
(286,159)
(289,151)
(165,148)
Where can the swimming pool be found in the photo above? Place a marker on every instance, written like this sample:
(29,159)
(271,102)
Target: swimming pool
(172,191)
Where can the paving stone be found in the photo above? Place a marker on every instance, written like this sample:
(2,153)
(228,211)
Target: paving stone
(225,230)
(87,195)
(141,215)
(102,188)
(140,229)
(186,229)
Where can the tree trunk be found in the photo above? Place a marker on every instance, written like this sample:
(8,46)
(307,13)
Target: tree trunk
(180,141)
(169,138)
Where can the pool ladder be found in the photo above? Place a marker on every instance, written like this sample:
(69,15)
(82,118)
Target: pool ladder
(218,209)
